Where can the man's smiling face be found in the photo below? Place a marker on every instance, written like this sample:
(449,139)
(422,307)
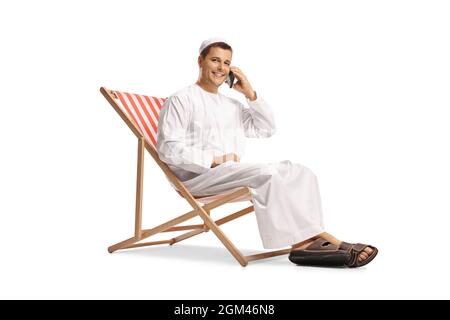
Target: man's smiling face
(215,67)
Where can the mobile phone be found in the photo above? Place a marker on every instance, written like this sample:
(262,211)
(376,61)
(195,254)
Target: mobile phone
(230,79)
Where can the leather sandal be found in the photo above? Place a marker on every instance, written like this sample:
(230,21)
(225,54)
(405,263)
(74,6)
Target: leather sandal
(320,252)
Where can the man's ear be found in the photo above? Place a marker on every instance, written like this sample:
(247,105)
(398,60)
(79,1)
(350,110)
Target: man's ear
(199,61)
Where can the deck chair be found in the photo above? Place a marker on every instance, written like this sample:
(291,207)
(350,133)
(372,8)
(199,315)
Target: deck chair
(141,114)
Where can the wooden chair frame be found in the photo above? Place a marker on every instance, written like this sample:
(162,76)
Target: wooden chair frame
(199,209)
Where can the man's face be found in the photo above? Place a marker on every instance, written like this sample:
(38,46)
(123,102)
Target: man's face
(216,66)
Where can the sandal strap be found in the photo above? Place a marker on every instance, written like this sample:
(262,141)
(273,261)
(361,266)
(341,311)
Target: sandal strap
(359,247)
(345,246)
(321,245)
(354,250)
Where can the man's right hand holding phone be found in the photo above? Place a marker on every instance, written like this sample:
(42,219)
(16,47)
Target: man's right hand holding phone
(243,85)
(222,159)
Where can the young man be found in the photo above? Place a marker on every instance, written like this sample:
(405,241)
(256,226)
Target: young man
(201,136)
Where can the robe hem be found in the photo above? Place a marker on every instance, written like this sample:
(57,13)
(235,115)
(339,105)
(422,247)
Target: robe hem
(287,241)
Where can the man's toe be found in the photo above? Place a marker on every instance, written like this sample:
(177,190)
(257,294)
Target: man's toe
(363,256)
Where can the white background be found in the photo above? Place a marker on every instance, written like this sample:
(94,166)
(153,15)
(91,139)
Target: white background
(360,90)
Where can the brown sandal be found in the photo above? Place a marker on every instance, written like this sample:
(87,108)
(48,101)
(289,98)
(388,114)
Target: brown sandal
(321,252)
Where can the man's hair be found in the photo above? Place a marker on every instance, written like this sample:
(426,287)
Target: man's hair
(222,45)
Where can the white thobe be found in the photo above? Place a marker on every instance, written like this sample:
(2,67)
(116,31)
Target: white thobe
(196,125)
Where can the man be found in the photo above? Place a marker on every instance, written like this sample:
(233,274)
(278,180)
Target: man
(201,136)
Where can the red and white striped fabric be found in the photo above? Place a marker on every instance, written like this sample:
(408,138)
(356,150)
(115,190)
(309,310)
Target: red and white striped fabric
(144,111)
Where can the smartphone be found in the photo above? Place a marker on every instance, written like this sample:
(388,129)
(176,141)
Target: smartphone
(230,79)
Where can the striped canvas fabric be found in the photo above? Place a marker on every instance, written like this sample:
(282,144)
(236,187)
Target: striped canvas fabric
(143,111)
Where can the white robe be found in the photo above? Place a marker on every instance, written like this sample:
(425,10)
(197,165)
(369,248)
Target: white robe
(196,125)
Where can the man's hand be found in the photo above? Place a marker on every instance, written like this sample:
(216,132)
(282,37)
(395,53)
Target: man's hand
(243,85)
(222,159)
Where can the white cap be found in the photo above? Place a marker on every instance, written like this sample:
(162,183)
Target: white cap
(211,41)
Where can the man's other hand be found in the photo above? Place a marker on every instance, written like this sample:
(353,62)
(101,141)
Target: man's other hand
(226,157)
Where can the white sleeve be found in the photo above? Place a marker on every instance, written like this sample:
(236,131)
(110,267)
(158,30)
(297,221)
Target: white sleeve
(258,119)
(172,134)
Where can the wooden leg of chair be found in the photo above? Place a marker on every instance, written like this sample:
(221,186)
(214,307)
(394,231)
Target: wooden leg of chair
(205,227)
(150,232)
(122,244)
(222,237)
(139,188)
